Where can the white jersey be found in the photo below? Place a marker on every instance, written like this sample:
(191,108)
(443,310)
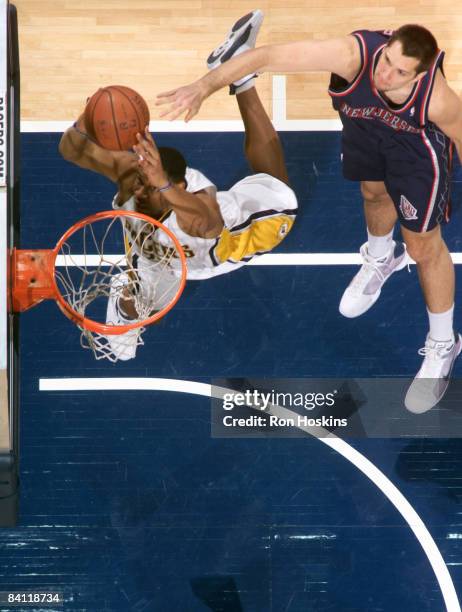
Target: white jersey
(258,212)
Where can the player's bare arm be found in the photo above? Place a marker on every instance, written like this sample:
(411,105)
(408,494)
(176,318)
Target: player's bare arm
(339,55)
(197,214)
(77,147)
(445,110)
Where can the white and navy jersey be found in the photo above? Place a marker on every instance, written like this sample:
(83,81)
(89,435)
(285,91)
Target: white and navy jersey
(361,101)
(258,212)
(395,143)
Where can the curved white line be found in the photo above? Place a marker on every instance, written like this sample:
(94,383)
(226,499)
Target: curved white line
(348,452)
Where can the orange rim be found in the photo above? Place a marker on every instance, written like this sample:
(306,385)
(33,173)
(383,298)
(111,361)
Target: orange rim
(102,328)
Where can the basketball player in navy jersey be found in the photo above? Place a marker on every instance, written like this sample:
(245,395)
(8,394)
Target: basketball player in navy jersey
(400,122)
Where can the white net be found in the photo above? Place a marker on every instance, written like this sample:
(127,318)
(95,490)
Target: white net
(118,271)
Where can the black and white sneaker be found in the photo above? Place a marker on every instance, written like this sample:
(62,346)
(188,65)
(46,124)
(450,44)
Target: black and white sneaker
(240,38)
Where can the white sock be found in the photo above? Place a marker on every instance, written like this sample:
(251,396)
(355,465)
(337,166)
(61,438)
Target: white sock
(441,325)
(245,86)
(378,246)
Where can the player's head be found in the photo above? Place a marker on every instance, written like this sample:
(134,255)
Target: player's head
(174,165)
(407,56)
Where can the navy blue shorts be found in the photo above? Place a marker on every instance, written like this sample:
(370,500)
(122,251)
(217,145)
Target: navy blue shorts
(416,170)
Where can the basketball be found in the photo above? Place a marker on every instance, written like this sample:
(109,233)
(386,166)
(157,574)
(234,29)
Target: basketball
(114,115)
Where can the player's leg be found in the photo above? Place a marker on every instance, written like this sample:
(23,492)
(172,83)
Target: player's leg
(381,255)
(380,215)
(121,310)
(420,189)
(262,145)
(442,345)
(435,269)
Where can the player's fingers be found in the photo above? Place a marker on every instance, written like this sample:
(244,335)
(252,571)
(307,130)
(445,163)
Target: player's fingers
(141,140)
(143,165)
(165,114)
(173,113)
(149,143)
(151,157)
(139,150)
(149,138)
(147,164)
(147,150)
(146,142)
(176,108)
(161,98)
(191,113)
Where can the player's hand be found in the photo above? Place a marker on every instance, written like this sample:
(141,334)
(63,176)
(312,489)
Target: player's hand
(149,162)
(80,124)
(143,202)
(187,99)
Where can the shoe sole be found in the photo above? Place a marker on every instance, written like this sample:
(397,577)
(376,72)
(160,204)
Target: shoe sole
(217,58)
(447,378)
(449,374)
(375,296)
(226,55)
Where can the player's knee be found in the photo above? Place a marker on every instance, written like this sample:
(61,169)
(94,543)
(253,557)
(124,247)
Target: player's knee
(374,196)
(424,247)
(416,251)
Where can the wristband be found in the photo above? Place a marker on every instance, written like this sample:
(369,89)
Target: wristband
(80,131)
(165,187)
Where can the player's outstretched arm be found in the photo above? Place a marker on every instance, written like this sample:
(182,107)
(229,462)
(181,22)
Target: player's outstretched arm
(338,55)
(197,214)
(77,147)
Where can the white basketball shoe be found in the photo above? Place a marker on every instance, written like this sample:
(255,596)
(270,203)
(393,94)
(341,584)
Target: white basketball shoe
(364,290)
(432,380)
(123,346)
(240,38)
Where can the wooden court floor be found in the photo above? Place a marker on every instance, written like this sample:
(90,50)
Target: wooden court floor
(70,48)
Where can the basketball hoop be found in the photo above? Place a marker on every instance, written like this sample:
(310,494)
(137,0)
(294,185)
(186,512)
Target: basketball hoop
(119,255)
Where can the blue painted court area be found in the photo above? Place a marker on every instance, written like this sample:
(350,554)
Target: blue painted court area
(127,502)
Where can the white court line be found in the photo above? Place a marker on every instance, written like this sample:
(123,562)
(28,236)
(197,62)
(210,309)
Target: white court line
(348,452)
(125,384)
(270,259)
(157,127)
(319,259)
(279,99)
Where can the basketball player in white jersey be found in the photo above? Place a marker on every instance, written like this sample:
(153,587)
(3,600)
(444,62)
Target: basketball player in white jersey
(219,231)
